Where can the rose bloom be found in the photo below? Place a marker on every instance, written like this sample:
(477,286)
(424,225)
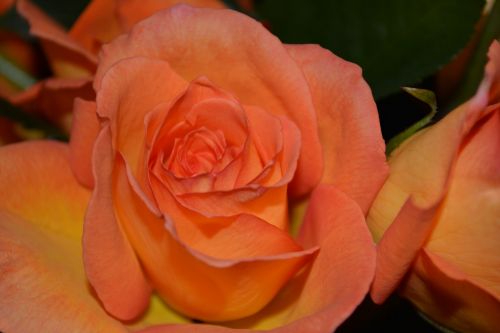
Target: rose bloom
(437,217)
(205,133)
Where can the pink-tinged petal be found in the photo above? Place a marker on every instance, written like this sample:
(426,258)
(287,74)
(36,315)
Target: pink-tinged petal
(269,205)
(349,130)
(416,188)
(469,238)
(42,283)
(228,237)
(53,98)
(433,287)
(66,56)
(322,296)
(129,91)
(199,42)
(110,262)
(84,131)
(218,289)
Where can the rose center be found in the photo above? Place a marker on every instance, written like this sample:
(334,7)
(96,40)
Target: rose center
(198,152)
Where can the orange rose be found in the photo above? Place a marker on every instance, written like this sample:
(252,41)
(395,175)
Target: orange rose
(438,215)
(203,125)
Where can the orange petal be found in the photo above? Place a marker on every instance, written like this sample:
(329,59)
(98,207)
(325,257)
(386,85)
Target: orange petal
(269,205)
(467,234)
(322,296)
(84,131)
(411,176)
(97,24)
(66,56)
(42,283)
(218,289)
(433,287)
(262,72)
(110,262)
(353,147)
(132,11)
(53,99)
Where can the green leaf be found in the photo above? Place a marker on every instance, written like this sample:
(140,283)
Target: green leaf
(14,74)
(428,98)
(397,43)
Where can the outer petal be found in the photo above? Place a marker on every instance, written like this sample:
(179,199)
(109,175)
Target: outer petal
(84,131)
(204,42)
(97,24)
(433,287)
(412,175)
(104,20)
(53,98)
(42,283)
(320,298)
(132,11)
(110,262)
(468,232)
(66,56)
(353,147)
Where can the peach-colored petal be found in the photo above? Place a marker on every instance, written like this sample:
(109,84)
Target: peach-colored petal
(206,43)
(84,131)
(268,204)
(219,289)
(53,98)
(322,296)
(468,238)
(66,56)
(353,147)
(234,237)
(416,188)
(433,287)
(42,282)
(110,262)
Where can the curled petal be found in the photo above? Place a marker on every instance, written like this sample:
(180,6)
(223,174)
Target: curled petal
(110,262)
(84,131)
(349,130)
(67,57)
(42,282)
(433,285)
(53,98)
(344,268)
